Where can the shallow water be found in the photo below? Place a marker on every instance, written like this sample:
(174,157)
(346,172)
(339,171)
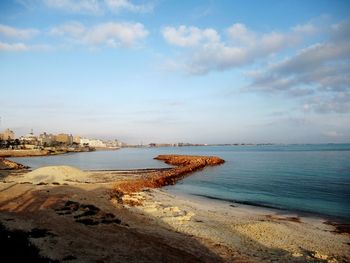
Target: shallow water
(306,178)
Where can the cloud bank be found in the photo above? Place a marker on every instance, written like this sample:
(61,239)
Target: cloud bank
(102,35)
(318,72)
(240,47)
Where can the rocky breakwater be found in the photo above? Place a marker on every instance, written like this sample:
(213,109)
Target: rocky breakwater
(184,165)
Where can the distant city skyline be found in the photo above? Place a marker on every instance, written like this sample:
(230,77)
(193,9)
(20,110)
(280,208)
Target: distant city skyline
(177,71)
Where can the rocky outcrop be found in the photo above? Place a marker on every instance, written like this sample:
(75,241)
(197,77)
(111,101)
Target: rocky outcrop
(10,165)
(184,165)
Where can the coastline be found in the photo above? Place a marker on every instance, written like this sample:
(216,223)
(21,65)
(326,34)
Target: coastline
(341,225)
(82,215)
(300,213)
(37,152)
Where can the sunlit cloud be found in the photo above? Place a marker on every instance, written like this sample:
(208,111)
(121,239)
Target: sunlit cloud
(19,33)
(212,52)
(184,36)
(110,34)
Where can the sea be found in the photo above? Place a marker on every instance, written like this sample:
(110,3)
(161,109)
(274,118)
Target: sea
(307,179)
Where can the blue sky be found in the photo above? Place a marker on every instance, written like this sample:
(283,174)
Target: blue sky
(177,71)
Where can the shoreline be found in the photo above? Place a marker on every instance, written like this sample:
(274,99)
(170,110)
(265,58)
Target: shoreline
(331,219)
(298,238)
(301,213)
(81,217)
(36,153)
(17,153)
(341,224)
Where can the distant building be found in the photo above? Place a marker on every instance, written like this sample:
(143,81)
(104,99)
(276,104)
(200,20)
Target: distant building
(47,140)
(161,144)
(113,143)
(92,143)
(29,138)
(76,139)
(64,138)
(7,135)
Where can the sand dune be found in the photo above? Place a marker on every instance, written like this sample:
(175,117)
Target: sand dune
(54,174)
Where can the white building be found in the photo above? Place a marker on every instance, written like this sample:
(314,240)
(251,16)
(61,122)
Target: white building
(92,143)
(113,143)
(29,138)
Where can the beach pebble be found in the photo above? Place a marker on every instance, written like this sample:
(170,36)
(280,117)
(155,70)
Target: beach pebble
(297,254)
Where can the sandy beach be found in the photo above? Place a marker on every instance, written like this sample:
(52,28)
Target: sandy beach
(64,214)
(262,235)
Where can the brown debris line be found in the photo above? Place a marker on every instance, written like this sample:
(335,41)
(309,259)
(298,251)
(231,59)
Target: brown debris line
(340,228)
(295,219)
(184,165)
(10,165)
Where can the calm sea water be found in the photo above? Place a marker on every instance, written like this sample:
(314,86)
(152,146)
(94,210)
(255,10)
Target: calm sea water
(305,178)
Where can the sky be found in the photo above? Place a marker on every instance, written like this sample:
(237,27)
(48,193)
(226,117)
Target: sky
(200,71)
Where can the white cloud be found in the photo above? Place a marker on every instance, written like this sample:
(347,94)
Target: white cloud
(216,57)
(307,28)
(240,34)
(337,102)
(75,6)
(242,47)
(73,29)
(13,32)
(325,65)
(274,42)
(115,33)
(319,72)
(189,36)
(109,34)
(118,5)
(97,7)
(21,47)
(13,47)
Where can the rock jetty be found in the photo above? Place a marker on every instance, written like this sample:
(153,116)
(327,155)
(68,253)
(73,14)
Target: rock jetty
(183,166)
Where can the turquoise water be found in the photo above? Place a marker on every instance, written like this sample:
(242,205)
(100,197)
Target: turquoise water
(306,178)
